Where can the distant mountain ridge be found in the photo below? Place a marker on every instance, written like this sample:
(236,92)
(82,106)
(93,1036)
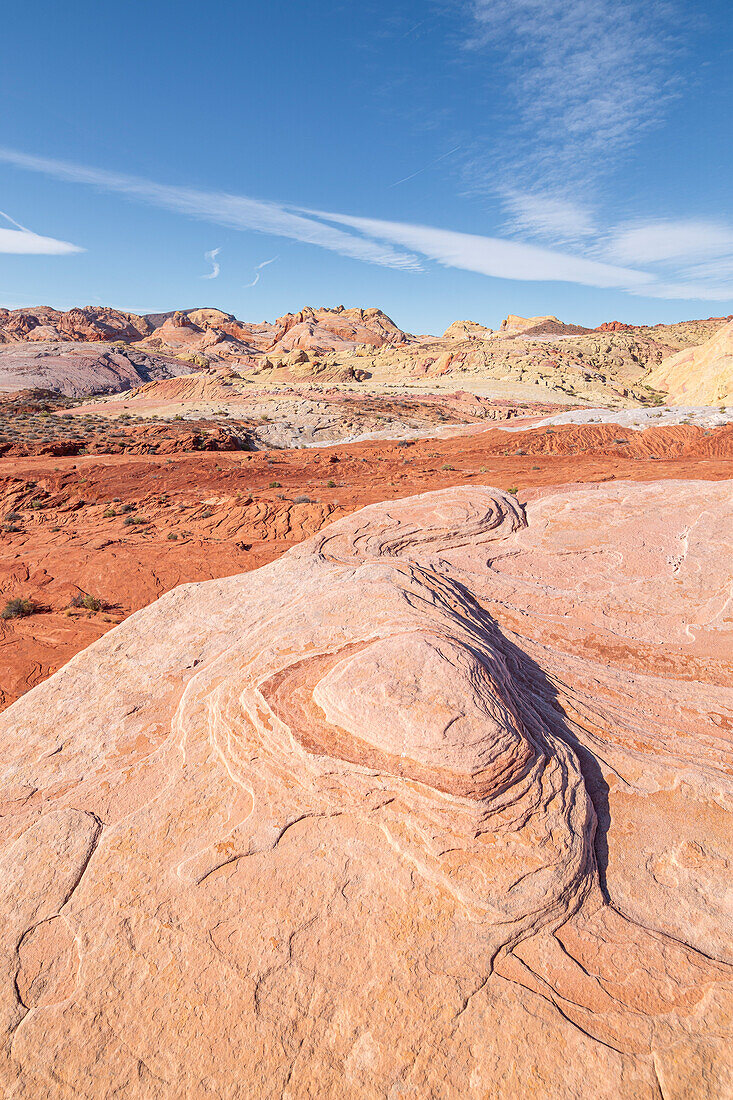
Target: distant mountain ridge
(615,362)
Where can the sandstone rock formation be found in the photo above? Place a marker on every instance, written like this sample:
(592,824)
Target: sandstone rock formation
(435,805)
(614,326)
(77,369)
(467,330)
(608,365)
(539,326)
(209,335)
(335,329)
(90,323)
(701,375)
(198,341)
(514,324)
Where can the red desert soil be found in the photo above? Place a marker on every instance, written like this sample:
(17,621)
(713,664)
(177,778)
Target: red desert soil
(127,528)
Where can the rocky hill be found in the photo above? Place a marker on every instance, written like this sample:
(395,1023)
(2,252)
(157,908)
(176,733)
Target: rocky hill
(92,323)
(614,364)
(591,366)
(700,375)
(80,368)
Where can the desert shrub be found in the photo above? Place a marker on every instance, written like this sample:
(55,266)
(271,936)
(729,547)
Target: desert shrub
(171,536)
(331,484)
(302,499)
(447,466)
(13,517)
(108,513)
(207,513)
(18,608)
(514,490)
(87,601)
(127,508)
(275,485)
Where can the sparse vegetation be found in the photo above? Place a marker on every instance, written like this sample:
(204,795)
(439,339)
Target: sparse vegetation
(87,601)
(18,608)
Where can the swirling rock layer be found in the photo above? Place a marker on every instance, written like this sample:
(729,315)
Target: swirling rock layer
(437,805)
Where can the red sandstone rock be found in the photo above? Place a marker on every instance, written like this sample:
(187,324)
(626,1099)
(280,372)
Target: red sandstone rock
(49,558)
(90,323)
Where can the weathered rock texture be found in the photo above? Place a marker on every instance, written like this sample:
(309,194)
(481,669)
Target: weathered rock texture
(701,375)
(90,323)
(126,527)
(533,355)
(78,369)
(434,805)
(611,364)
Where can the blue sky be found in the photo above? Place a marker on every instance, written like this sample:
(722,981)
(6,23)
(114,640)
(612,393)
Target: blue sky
(441,160)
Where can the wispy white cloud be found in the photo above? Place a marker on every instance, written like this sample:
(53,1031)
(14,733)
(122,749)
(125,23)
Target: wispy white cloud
(494,256)
(22,241)
(215,267)
(509,259)
(692,258)
(548,217)
(401,245)
(588,78)
(232,211)
(258,272)
(681,241)
(689,291)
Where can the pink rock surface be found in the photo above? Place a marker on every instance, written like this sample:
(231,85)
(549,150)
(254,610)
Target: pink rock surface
(77,369)
(436,805)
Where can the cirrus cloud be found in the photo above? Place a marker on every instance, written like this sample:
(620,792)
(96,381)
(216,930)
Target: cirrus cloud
(405,247)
